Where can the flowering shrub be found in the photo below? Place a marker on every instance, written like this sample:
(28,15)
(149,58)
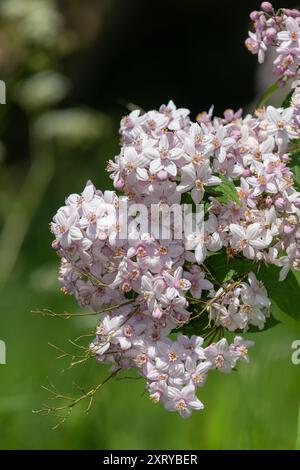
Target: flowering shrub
(166,303)
(279,30)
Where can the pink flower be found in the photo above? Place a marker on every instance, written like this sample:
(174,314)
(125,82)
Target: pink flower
(183,401)
(290,36)
(256,45)
(196,178)
(248,239)
(198,282)
(162,158)
(64,226)
(220,356)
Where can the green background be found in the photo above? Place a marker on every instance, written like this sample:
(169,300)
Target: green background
(255,407)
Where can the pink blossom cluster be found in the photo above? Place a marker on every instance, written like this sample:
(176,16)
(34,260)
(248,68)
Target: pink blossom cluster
(149,287)
(279,30)
(248,304)
(190,157)
(162,311)
(173,369)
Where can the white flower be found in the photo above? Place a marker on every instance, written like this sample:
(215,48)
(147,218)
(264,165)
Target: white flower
(175,283)
(197,372)
(133,164)
(220,356)
(64,226)
(291,36)
(241,347)
(169,353)
(86,196)
(222,143)
(163,156)
(183,401)
(105,332)
(248,239)
(279,125)
(255,293)
(196,178)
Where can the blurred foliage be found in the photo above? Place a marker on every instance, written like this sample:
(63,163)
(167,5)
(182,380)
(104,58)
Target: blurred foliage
(52,143)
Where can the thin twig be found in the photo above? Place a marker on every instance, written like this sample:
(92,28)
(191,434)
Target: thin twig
(68,407)
(67,315)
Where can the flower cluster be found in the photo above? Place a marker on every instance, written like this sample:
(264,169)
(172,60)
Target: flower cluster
(246,305)
(159,166)
(278,30)
(173,369)
(117,260)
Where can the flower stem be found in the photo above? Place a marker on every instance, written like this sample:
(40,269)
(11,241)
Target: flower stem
(269,92)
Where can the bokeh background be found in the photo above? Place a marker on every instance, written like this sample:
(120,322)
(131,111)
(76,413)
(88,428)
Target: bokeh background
(72,69)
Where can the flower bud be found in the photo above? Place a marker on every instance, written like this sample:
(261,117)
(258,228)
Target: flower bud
(162,175)
(269,201)
(293,13)
(288,229)
(271,35)
(279,203)
(267,7)
(119,184)
(55,245)
(254,15)
(285,158)
(157,313)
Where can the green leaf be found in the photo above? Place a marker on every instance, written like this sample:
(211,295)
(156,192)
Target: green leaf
(230,275)
(295,167)
(284,296)
(287,100)
(221,266)
(186,198)
(196,327)
(295,158)
(226,191)
(296,172)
